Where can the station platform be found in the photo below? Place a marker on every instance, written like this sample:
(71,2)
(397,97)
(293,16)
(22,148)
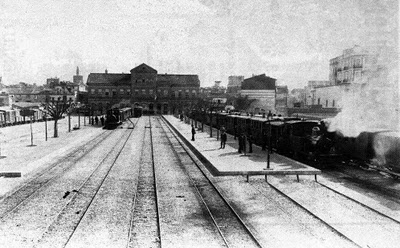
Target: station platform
(228,162)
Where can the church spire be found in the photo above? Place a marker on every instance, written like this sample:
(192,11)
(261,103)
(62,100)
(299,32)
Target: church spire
(77,70)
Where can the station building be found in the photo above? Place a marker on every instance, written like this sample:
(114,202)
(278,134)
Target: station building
(143,86)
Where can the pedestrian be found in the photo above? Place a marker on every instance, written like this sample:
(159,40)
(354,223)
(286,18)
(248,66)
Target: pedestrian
(269,116)
(223,138)
(193,132)
(102,120)
(244,141)
(250,140)
(240,140)
(96,119)
(92,121)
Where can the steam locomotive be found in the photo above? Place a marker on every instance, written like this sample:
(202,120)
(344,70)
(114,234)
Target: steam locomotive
(115,117)
(310,139)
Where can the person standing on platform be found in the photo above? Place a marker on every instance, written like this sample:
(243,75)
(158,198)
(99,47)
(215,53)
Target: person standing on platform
(223,138)
(240,139)
(102,120)
(250,139)
(244,141)
(96,119)
(193,132)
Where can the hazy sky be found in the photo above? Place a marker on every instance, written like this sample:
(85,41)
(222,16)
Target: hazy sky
(291,40)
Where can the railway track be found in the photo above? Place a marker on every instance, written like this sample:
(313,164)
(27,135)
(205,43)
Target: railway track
(14,199)
(355,217)
(145,220)
(232,229)
(84,183)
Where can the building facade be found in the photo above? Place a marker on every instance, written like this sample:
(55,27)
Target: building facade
(350,67)
(143,86)
(78,80)
(262,90)
(234,84)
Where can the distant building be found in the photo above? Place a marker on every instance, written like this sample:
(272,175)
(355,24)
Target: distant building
(215,90)
(143,86)
(262,89)
(320,83)
(52,82)
(281,99)
(78,80)
(350,67)
(234,84)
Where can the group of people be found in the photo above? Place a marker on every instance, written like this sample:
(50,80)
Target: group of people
(95,120)
(243,140)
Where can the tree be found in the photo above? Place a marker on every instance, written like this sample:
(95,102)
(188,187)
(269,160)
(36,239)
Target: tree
(242,103)
(56,109)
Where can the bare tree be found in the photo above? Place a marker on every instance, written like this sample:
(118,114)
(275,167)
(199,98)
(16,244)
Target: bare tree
(56,109)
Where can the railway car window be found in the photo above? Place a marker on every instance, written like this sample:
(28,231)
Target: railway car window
(121,91)
(150,92)
(92,91)
(136,92)
(143,92)
(99,91)
(107,92)
(114,92)
(128,92)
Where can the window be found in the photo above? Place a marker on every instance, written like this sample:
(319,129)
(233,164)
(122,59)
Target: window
(151,92)
(107,92)
(114,92)
(319,101)
(143,92)
(100,91)
(128,92)
(333,103)
(193,93)
(136,92)
(92,91)
(165,92)
(180,94)
(121,91)
(326,104)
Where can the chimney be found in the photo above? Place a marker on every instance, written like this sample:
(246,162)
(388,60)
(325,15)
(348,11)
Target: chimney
(106,71)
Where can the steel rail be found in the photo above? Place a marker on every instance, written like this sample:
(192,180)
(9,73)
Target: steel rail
(241,221)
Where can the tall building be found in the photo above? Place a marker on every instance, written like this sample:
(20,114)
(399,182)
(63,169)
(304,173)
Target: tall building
(234,84)
(78,80)
(262,89)
(143,86)
(351,67)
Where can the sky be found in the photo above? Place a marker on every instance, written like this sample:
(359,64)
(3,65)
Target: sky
(290,40)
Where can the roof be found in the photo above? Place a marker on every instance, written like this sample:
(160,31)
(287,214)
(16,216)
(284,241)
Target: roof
(26,104)
(109,78)
(260,82)
(143,68)
(178,79)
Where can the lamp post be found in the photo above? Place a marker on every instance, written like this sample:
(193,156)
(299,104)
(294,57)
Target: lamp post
(269,146)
